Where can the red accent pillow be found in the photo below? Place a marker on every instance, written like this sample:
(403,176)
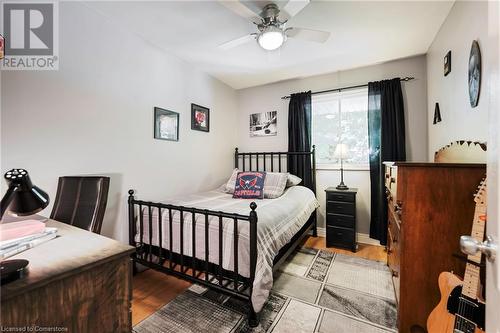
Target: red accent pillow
(249,185)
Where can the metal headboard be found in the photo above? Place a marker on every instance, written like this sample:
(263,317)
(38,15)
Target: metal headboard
(278,162)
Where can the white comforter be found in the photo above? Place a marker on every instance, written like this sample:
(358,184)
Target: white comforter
(278,221)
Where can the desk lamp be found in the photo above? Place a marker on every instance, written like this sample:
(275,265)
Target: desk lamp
(22,198)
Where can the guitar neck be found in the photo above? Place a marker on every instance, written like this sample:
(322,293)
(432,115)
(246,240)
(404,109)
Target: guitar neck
(472,272)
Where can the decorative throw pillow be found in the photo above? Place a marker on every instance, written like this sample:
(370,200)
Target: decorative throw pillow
(249,185)
(275,184)
(293,180)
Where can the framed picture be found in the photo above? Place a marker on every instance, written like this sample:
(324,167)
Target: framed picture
(166,124)
(447,63)
(200,118)
(474,74)
(2,47)
(263,124)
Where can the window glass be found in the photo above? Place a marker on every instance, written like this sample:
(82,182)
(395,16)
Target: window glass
(341,117)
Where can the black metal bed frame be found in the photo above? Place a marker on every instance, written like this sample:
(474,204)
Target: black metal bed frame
(202,271)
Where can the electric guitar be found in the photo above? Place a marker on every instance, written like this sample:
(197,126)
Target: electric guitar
(460,310)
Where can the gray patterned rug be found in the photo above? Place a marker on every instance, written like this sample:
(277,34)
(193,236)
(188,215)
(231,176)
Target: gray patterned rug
(314,291)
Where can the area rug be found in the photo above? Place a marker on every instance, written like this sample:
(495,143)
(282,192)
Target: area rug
(314,291)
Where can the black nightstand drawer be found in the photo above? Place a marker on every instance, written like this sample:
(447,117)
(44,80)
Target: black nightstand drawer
(336,196)
(341,218)
(336,220)
(340,237)
(339,207)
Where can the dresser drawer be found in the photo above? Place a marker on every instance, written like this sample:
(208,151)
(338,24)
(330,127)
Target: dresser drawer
(387,175)
(393,182)
(345,197)
(339,207)
(338,220)
(340,237)
(394,228)
(393,250)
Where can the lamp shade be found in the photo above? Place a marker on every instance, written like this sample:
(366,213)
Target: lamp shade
(341,151)
(22,197)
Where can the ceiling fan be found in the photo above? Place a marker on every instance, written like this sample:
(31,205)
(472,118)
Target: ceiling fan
(271,24)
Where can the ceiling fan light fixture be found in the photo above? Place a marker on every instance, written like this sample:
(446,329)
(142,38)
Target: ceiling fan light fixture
(271,38)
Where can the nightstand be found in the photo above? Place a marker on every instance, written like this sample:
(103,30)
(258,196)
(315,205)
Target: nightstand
(341,218)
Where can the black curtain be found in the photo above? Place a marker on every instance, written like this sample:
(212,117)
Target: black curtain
(299,135)
(386,136)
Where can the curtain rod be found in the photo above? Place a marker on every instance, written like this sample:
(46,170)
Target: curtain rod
(407,78)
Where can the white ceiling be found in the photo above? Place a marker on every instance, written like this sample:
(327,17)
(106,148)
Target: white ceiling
(362,33)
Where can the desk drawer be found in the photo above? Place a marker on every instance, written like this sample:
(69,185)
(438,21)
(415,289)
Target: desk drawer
(337,220)
(340,237)
(339,207)
(345,197)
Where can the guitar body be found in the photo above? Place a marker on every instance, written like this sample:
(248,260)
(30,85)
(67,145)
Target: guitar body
(441,320)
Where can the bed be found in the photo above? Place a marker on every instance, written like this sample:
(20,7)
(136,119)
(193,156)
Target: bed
(231,245)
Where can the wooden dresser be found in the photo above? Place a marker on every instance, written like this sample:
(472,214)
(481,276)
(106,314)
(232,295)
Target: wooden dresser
(430,206)
(78,282)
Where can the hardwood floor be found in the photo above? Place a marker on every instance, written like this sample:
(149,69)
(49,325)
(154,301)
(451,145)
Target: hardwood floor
(152,290)
(366,251)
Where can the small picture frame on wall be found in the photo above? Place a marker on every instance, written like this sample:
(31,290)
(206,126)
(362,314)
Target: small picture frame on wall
(200,118)
(166,124)
(264,124)
(2,47)
(447,63)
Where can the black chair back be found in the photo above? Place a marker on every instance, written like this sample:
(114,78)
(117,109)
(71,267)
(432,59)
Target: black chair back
(81,201)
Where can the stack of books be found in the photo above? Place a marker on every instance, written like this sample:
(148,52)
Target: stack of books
(16,237)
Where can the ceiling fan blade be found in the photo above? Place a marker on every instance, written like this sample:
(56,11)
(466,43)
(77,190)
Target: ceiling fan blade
(293,7)
(236,42)
(241,9)
(308,34)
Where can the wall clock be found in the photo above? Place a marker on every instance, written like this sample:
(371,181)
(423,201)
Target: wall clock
(474,74)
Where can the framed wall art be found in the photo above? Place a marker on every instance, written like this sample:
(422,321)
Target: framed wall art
(447,63)
(200,118)
(166,124)
(263,124)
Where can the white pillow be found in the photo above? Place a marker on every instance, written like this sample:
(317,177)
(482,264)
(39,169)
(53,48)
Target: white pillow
(231,183)
(274,184)
(293,180)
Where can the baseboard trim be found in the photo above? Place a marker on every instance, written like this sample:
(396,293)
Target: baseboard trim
(362,238)
(365,239)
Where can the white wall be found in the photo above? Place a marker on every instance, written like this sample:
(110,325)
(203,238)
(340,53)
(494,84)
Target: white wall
(95,116)
(466,22)
(268,98)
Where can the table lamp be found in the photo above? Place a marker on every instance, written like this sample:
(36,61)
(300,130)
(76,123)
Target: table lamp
(341,152)
(22,198)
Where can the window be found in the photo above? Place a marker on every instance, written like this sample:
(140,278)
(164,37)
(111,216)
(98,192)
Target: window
(341,117)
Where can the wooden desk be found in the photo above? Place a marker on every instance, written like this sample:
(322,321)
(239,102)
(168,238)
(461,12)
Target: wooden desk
(79,282)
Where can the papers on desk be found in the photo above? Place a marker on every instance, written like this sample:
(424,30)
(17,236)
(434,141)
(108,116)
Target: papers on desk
(14,246)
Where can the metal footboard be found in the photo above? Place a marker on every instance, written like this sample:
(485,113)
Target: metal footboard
(189,267)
